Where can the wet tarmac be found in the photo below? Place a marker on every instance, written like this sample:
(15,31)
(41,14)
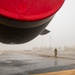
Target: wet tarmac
(23,64)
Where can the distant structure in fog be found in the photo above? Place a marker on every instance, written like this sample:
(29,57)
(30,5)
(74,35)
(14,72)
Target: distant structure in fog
(50,43)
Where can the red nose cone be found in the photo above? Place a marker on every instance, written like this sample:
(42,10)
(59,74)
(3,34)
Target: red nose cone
(29,10)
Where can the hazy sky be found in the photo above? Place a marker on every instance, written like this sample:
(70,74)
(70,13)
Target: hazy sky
(62,29)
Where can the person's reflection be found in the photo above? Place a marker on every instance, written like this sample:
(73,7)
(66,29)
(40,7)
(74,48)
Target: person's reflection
(55,62)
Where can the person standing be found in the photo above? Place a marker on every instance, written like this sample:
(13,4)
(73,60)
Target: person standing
(55,52)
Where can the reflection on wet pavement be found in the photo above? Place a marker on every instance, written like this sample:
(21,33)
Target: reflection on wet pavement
(21,64)
(12,63)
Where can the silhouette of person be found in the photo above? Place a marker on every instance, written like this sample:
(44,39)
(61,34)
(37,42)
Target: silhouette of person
(55,52)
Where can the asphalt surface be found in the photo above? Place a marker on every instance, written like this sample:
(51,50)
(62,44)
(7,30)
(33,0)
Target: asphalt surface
(23,64)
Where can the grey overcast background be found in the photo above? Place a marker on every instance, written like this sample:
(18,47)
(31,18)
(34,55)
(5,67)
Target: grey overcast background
(62,29)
